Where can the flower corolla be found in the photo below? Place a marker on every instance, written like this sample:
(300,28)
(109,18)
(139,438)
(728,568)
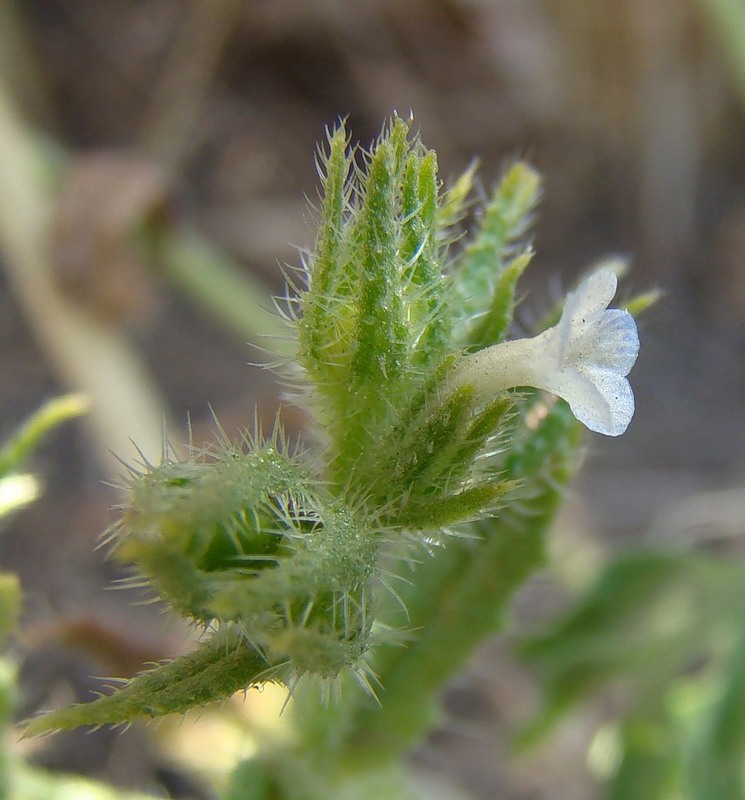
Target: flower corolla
(584,359)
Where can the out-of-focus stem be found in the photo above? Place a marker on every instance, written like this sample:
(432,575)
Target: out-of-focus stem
(178,95)
(87,354)
(18,62)
(233,298)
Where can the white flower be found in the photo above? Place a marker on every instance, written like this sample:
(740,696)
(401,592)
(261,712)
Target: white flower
(584,359)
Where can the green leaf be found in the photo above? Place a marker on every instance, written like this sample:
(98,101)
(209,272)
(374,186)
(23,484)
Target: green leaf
(601,637)
(647,616)
(716,767)
(220,667)
(650,759)
(36,427)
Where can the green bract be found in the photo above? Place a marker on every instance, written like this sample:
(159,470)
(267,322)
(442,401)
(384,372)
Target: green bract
(290,560)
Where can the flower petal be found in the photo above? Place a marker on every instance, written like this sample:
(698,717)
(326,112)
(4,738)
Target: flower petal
(592,295)
(602,401)
(610,341)
(618,398)
(582,307)
(585,400)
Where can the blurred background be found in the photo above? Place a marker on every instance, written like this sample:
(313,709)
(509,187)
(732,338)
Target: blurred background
(157,123)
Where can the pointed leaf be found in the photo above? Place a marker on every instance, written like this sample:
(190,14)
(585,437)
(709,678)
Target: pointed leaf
(216,670)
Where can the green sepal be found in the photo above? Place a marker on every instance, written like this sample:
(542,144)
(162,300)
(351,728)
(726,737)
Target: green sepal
(427,466)
(415,457)
(221,666)
(380,338)
(193,525)
(379,349)
(456,462)
(640,303)
(323,326)
(424,285)
(461,507)
(455,200)
(494,326)
(423,398)
(444,486)
(505,219)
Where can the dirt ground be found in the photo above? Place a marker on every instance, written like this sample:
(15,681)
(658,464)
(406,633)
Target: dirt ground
(632,112)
